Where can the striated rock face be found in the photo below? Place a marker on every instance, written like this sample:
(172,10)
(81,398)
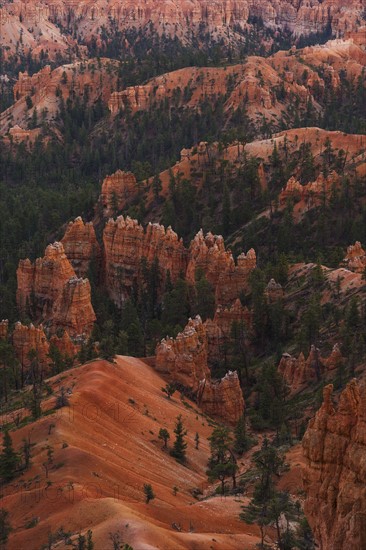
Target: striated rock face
(4,328)
(126,245)
(40,284)
(64,344)
(73,310)
(28,338)
(355,259)
(184,360)
(334,476)
(117,189)
(299,372)
(222,398)
(49,291)
(80,245)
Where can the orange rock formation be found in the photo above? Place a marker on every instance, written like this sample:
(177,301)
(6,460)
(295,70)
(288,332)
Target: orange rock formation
(222,398)
(299,372)
(73,310)
(49,291)
(64,344)
(40,284)
(117,189)
(126,244)
(80,245)
(355,259)
(28,338)
(4,328)
(334,477)
(185,360)
(207,253)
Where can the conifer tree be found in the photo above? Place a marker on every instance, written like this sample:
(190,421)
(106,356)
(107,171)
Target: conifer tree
(9,459)
(180,445)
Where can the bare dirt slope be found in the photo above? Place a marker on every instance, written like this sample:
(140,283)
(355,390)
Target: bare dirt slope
(106,447)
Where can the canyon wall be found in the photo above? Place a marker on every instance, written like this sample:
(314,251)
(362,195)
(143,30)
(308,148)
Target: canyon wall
(334,476)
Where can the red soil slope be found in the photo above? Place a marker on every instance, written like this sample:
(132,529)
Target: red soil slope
(111,431)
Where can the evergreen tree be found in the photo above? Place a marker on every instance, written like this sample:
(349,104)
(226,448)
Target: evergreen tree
(242,441)
(157,186)
(9,459)
(149,493)
(5,527)
(204,297)
(180,445)
(222,463)
(164,435)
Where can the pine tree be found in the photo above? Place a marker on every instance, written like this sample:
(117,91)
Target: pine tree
(222,463)
(5,527)
(149,493)
(180,445)
(157,186)
(9,459)
(242,441)
(164,435)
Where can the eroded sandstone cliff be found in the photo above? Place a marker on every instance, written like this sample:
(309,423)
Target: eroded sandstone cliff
(185,360)
(299,372)
(355,259)
(81,246)
(50,292)
(30,338)
(334,477)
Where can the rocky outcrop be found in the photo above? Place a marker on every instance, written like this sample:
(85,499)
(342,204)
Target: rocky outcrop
(208,254)
(127,246)
(355,259)
(50,292)
(117,190)
(4,328)
(64,344)
(222,398)
(73,310)
(81,246)
(40,284)
(273,291)
(27,85)
(219,329)
(185,360)
(30,338)
(334,476)
(300,372)
(310,194)
(40,23)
